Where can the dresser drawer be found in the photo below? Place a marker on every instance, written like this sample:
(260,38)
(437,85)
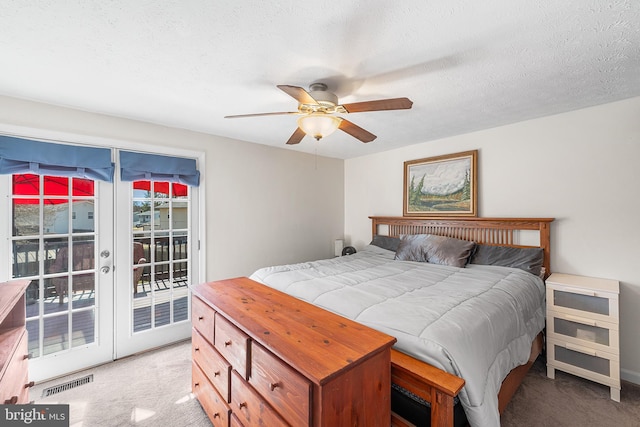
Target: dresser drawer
(212,364)
(249,406)
(583,331)
(202,317)
(588,363)
(235,422)
(232,343)
(14,387)
(212,403)
(284,388)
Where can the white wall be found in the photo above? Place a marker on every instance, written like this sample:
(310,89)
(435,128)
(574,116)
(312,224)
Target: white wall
(581,168)
(264,205)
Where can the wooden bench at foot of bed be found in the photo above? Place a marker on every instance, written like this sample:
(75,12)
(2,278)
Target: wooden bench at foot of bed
(434,385)
(439,388)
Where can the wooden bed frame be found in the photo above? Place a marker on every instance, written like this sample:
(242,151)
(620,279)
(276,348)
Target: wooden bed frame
(434,385)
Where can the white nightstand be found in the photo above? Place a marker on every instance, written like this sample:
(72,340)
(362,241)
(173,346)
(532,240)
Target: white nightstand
(582,329)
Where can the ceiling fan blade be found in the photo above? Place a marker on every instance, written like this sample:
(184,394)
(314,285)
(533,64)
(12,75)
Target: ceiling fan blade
(296,137)
(280,113)
(298,93)
(379,105)
(356,131)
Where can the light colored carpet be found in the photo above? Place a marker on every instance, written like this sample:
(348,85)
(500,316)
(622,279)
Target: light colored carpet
(150,389)
(153,389)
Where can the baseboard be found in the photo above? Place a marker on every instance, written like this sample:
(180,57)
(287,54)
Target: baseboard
(630,376)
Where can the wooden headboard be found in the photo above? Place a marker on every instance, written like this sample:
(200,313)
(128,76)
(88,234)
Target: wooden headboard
(488,231)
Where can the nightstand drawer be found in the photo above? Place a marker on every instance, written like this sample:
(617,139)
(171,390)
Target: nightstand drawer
(582,296)
(583,331)
(588,363)
(583,302)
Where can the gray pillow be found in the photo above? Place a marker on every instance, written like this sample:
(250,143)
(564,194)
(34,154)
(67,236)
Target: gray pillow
(527,259)
(410,248)
(448,251)
(435,249)
(386,242)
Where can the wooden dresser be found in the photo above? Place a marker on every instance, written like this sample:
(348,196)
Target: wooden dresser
(261,357)
(14,354)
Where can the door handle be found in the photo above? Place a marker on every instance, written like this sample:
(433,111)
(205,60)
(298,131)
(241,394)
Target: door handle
(105,269)
(105,253)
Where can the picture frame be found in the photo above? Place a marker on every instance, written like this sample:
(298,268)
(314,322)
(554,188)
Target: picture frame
(444,185)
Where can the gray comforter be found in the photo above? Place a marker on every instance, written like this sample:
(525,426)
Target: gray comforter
(476,322)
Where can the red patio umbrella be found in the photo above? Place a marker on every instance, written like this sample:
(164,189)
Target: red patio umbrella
(29,185)
(179,190)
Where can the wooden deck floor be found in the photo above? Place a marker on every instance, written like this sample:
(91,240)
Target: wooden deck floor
(82,316)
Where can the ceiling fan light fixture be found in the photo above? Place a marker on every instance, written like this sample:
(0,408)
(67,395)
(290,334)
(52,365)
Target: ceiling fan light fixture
(319,125)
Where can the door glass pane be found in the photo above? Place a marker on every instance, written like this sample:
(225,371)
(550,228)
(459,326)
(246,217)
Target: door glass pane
(56,329)
(33,328)
(83,187)
(25,184)
(59,259)
(83,327)
(161,215)
(26,259)
(161,246)
(56,216)
(26,217)
(180,246)
(179,218)
(56,186)
(82,216)
(160,256)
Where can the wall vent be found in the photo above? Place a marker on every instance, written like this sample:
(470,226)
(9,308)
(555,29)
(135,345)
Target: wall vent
(49,391)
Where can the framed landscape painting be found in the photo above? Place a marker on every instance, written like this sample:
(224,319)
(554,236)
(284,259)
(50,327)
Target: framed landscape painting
(442,186)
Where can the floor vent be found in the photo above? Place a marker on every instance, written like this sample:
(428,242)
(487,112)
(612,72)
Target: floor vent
(49,391)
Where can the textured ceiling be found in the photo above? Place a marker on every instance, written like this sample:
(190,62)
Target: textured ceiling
(466,65)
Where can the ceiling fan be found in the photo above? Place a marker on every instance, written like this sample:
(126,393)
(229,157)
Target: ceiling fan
(318,107)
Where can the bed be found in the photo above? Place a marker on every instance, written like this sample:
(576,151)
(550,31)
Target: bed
(448,352)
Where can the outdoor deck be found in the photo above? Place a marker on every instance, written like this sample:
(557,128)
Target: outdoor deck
(57,315)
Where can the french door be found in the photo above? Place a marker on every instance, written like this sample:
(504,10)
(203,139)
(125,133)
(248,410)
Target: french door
(109,265)
(156,224)
(61,239)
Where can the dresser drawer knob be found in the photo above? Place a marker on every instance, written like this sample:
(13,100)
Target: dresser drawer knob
(216,415)
(196,384)
(196,349)
(242,405)
(216,374)
(273,386)
(227,343)
(200,317)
